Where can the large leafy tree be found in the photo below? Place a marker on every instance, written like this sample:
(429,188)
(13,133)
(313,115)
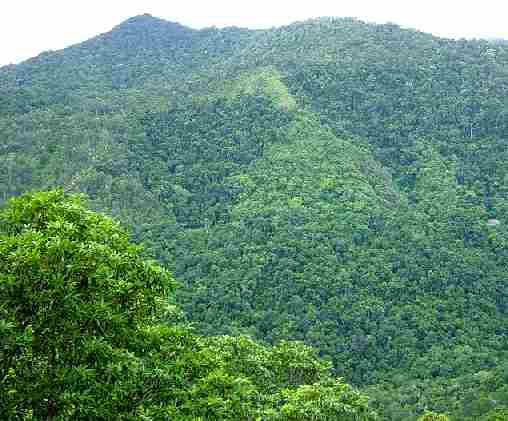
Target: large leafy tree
(74,292)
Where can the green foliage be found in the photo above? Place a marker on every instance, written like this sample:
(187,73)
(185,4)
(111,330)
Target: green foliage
(331,401)
(500,414)
(432,416)
(82,335)
(329,181)
(74,292)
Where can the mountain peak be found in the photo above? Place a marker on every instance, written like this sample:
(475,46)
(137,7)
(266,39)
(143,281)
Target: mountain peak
(148,32)
(147,20)
(145,17)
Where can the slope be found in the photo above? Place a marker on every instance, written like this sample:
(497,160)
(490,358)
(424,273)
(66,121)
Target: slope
(330,181)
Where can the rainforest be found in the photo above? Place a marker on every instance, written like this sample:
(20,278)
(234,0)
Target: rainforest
(322,208)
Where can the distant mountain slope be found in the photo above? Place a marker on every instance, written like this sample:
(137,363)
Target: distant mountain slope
(330,181)
(498,40)
(140,50)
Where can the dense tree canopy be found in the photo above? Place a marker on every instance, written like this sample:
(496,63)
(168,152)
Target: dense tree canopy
(87,334)
(339,183)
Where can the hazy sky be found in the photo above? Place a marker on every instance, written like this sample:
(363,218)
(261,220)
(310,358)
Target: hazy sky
(28,27)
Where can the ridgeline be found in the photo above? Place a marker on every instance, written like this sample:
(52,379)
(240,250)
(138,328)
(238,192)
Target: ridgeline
(334,182)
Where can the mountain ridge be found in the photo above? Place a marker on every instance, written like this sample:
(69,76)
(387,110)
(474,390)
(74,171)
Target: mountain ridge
(329,181)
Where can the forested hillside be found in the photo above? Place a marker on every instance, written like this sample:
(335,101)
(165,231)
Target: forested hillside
(87,333)
(335,182)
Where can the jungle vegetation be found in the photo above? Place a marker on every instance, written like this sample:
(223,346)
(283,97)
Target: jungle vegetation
(333,182)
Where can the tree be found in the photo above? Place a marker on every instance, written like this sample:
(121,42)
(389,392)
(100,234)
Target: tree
(433,416)
(499,414)
(74,293)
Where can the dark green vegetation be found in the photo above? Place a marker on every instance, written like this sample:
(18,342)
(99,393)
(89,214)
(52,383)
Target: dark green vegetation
(87,334)
(329,181)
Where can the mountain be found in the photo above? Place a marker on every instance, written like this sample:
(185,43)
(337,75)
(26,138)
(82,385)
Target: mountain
(498,40)
(331,181)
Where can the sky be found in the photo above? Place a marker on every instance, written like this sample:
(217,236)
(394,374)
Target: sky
(29,27)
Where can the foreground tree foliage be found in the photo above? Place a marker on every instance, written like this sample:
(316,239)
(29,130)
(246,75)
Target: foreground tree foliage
(86,333)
